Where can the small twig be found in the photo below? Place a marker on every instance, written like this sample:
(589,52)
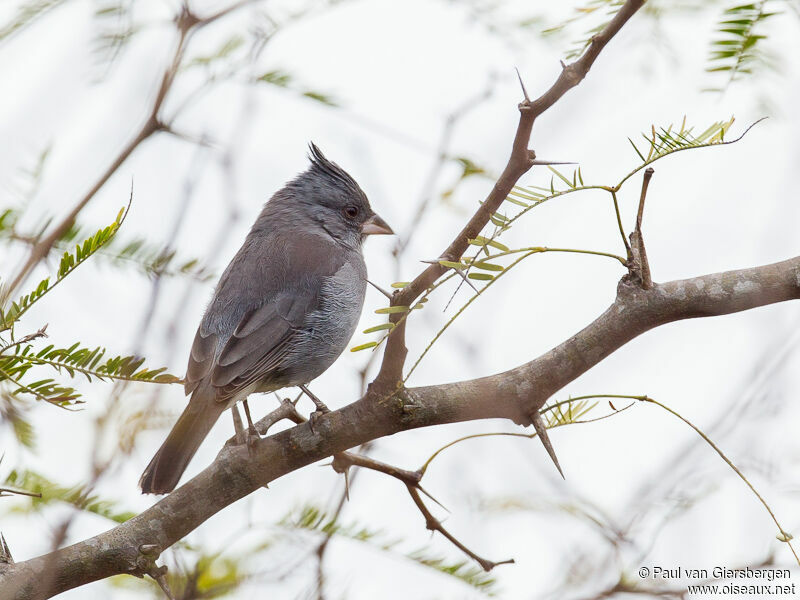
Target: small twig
(648,173)
(785,536)
(286,410)
(9,491)
(25,339)
(411,479)
(187,24)
(391,371)
(458,271)
(619,224)
(344,460)
(433,524)
(639,266)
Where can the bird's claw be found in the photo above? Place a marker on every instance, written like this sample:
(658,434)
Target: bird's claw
(314,417)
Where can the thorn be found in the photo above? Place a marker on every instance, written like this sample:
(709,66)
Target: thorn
(522,85)
(159,574)
(149,549)
(563,64)
(552,162)
(380,289)
(459,271)
(347,484)
(5,553)
(541,431)
(427,493)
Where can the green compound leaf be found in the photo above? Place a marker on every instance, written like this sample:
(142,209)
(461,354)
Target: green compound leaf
(381,327)
(483,241)
(363,346)
(388,310)
(481,276)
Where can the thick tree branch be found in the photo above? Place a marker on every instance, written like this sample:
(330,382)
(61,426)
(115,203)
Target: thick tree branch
(514,395)
(519,163)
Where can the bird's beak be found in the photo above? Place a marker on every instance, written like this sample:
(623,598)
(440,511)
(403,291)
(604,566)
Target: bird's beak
(376,226)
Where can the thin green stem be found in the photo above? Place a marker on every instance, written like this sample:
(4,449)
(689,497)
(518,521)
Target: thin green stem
(54,401)
(785,536)
(527,252)
(619,223)
(461,310)
(427,463)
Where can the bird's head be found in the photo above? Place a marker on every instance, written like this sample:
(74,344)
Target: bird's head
(327,197)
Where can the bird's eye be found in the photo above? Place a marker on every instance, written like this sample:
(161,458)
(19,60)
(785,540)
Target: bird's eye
(351,212)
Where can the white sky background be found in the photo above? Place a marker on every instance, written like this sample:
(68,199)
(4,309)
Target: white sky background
(397,70)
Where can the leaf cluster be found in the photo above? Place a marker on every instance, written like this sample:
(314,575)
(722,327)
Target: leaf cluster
(493,259)
(51,493)
(312,518)
(19,357)
(737,47)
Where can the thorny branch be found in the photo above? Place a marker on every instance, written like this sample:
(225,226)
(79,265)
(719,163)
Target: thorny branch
(385,409)
(412,479)
(520,161)
(639,266)
(238,470)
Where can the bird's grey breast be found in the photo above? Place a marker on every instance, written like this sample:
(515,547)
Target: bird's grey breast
(328,329)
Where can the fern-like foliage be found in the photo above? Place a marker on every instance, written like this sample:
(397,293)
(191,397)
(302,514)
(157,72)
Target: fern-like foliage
(27,13)
(737,47)
(69,262)
(154,260)
(283,79)
(492,259)
(200,574)
(600,11)
(89,362)
(114,30)
(74,360)
(51,493)
(566,413)
(12,415)
(313,518)
(225,50)
(20,359)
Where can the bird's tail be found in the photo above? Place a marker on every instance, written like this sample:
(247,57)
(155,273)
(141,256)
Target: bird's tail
(165,470)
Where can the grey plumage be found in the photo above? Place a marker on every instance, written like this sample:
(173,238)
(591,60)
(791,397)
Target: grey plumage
(283,310)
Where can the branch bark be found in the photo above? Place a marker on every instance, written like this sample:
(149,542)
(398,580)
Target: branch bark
(513,394)
(520,161)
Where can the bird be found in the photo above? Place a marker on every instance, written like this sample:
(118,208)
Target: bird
(283,310)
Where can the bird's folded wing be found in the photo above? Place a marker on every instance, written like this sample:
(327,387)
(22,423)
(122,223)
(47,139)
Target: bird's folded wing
(261,342)
(266,301)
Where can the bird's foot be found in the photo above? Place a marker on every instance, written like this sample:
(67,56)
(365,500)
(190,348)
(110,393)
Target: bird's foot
(315,416)
(321,408)
(250,435)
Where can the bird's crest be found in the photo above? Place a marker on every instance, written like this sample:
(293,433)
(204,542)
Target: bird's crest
(330,169)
